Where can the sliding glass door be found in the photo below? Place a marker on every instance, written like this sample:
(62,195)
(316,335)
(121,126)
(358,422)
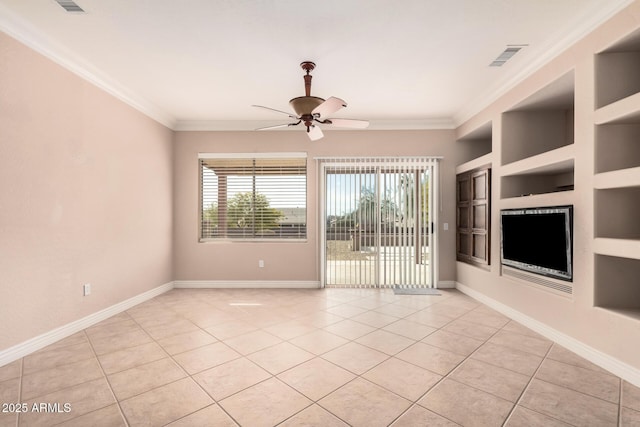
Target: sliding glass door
(377,222)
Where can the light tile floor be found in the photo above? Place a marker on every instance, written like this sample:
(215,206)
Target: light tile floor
(330,357)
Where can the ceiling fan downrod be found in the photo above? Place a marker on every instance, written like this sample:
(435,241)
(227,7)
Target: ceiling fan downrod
(307,66)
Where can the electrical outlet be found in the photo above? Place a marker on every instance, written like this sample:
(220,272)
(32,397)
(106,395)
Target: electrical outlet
(261,263)
(446,226)
(86,289)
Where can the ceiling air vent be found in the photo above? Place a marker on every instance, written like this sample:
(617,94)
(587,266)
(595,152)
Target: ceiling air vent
(70,6)
(506,55)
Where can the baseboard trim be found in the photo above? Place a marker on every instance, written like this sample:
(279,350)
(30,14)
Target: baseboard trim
(446,284)
(27,347)
(611,364)
(246,284)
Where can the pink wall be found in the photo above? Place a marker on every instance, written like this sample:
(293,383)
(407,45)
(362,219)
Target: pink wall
(292,261)
(85,197)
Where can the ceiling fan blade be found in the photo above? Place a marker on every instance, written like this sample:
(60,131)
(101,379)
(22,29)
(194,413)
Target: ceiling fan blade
(348,123)
(328,107)
(278,126)
(315,133)
(278,111)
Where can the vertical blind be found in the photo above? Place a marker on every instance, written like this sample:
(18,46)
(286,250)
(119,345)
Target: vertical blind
(248,196)
(378,221)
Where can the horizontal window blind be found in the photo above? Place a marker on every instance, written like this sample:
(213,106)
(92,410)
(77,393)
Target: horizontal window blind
(253,197)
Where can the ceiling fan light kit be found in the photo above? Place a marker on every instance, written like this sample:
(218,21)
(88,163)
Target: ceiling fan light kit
(313,110)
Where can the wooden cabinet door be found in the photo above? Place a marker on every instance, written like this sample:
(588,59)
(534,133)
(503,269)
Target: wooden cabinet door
(473,201)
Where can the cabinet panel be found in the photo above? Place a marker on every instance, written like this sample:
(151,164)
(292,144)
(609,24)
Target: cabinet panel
(473,196)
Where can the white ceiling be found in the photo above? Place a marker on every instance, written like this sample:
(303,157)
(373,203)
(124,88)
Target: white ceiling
(201,64)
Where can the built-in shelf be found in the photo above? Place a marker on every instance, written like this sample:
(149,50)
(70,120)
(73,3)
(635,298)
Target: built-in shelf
(546,199)
(618,178)
(541,123)
(622,312)
(616,284)
(555,161)
(479,162)
(622,248)
(617,156)
(616,213)
(477,143)
(617,71)
(549,172)
(626,110)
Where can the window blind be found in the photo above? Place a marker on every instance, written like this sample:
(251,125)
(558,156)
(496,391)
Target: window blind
(261,198)
(378,221)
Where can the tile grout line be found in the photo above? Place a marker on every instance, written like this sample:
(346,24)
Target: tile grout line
(188,375)
(106,378)
(412,403)
(242,356)
(93,356)
(620,396)
(444,377)
(316,402)
(20,387)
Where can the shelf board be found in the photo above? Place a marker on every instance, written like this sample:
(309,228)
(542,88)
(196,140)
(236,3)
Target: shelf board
(557,198)
(622,248)
(623,312)
(475,163)
(618,179)
(626,110)
(550,162)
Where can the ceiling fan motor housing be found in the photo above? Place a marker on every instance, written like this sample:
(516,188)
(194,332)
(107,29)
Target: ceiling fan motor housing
(304,105)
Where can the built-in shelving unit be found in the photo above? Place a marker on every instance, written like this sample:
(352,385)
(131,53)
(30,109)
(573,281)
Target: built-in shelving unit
(618,136)
(617,177)
(618,288)
(549,172)
(475,163)
(538,142)
(616,213)
(476,144)
(618,71)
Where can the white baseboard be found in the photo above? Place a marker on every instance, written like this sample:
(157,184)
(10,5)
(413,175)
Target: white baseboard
(246,284)
(27,347)
(446,284)
(611,364)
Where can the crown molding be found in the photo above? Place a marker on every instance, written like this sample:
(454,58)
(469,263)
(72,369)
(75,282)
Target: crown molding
(250,125)
(594,19)
(30,36)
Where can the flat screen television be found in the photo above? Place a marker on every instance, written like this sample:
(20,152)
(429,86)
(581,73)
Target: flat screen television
(539,240)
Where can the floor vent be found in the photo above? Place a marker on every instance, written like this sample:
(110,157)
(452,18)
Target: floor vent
(70,6)
(538,280)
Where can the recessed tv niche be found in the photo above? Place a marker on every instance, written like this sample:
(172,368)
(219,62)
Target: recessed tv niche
(539,240)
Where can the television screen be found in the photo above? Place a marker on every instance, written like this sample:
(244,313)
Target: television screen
(539,240)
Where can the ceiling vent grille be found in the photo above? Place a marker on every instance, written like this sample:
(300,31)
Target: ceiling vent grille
(506,55)
(70,6)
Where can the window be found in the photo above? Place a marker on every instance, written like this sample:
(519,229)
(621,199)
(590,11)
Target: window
(253,197)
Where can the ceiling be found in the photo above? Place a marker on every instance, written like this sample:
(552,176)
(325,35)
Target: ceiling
(402,64)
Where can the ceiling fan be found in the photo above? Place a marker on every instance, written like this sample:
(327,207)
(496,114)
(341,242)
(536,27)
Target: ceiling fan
(312,110)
